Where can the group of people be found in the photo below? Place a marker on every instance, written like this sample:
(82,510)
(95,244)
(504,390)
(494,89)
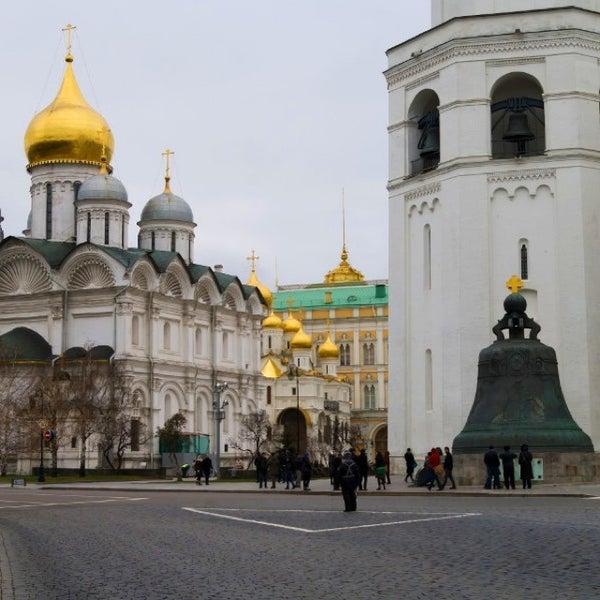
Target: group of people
(283,467)
(493,460)
(380,467)
(437,468)
(203,468)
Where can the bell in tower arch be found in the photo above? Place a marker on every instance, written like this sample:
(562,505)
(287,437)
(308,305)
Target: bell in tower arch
(518,397)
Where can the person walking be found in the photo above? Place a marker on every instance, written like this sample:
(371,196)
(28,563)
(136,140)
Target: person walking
(492,464)
(411,463)
(206,468)
(434,462)
(197,466)
(273,469)
(448,466)
(363,469)
(386,457)
(336,464)
(508,467)
(290,471)
(525,461)
(262,467)
(380,470)
(305,471)
(349,478)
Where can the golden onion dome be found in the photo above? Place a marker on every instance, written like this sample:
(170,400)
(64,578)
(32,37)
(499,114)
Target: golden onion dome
(68,129)
(291,324)
(328,349)
(272,322)
(263,289)
(301,340)
(344,272)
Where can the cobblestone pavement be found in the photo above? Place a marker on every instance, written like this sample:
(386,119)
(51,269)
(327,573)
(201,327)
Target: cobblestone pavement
(177,540)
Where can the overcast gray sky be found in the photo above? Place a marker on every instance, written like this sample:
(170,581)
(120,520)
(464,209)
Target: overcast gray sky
(272,107)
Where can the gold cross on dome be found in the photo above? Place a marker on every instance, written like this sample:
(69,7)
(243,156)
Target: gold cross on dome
(167,154)
(68,28)
(253,258)
(514,284)
(290,303)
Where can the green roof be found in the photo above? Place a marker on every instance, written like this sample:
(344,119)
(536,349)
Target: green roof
(339,296)
(22,343)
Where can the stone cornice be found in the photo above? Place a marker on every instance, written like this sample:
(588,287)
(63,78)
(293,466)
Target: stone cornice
(521,175)
(465,47)
(424,190)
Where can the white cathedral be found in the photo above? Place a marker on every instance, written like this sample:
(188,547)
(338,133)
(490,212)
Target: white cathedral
(494,170)
(73,281)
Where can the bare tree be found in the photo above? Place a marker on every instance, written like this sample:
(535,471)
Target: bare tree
(19,426)
(255,433)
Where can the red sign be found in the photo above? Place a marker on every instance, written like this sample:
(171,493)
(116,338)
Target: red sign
(47,435)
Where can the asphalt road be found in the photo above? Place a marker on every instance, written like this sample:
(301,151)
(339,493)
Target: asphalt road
(72,544)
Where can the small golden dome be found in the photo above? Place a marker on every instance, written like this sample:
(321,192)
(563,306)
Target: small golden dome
(263,289)
(301,340)
(291,324)
(344,272)
(272,322)
(328,349)
(68,129)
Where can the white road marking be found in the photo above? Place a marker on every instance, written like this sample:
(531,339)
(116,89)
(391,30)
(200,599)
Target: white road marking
(69,503)
(426,518)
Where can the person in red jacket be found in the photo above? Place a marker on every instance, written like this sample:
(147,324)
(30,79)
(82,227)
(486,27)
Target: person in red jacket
(433,462)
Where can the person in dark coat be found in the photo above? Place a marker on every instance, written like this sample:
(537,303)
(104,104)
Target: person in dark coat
(525,461)
(363,469)
(336,464)
(349,478)
(305,471)
(492,464)
(386,457)
(448,466)
(508,467)
(273,469)
(262,467)
(206,468)
(409,457)
(197,466)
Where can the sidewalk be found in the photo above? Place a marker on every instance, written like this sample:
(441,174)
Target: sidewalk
(322,486)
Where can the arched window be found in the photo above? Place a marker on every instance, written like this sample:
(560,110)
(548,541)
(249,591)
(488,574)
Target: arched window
(344,355)
(88,227)
(369,353)
(427,257)
(135,330)
(225,344)
(48,211)
(167,336)
(122,232)
(269,394)
(152,241)
(524,261)
(106,227)
(173,240)
(369,396)
(198,344)
(428,381)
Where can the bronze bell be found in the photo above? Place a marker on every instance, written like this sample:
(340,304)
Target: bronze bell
(518,396)
(518,128)
(430,141)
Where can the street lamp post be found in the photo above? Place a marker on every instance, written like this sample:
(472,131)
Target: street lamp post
(219,415)
(43,425)
(294,371)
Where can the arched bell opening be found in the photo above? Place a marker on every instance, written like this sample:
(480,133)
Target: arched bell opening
(517,117)
(424,135)
(293,425)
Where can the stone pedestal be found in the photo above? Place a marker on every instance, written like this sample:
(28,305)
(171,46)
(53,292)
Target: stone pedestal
(549,467)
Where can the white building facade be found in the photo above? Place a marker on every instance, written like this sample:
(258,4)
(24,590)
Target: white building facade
(494,170)
(177,328)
